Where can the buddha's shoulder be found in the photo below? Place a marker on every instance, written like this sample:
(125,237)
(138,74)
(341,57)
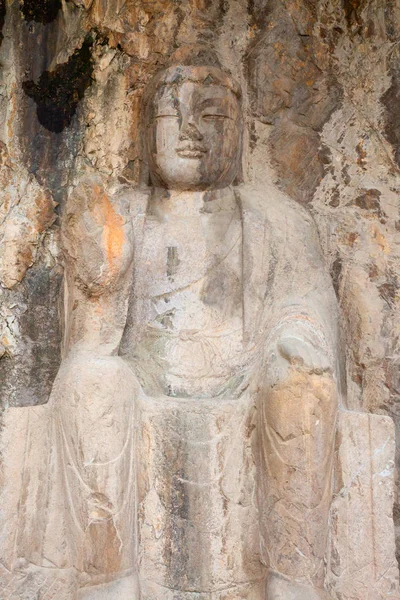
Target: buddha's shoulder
(92,191)
(131,197)
(266,202)
(135,195)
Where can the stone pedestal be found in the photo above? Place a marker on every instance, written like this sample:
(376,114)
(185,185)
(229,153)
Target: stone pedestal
(26,572)
(361,562)
(198,520)
(24,484)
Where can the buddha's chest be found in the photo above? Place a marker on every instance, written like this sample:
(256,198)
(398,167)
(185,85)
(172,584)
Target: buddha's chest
(194,265)
(189,287)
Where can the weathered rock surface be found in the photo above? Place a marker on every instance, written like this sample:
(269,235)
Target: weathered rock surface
(321,83)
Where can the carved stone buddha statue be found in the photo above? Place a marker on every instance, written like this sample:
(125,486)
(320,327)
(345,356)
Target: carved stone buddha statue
(193,418)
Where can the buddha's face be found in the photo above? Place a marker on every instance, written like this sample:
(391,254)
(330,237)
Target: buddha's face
(193,136)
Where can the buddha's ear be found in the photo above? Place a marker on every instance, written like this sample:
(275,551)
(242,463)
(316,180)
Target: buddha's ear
(144,173)
(239,175)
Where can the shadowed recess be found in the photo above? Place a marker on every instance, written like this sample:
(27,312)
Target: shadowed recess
(58,92)
(391,101)
(352,9)
(2,17)
(41,11)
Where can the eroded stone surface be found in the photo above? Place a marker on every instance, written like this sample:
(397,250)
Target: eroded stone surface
(320,123)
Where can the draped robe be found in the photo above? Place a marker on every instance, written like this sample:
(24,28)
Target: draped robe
(93,497)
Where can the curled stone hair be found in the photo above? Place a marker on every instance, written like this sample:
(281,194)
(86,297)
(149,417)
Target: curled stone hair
(193,62)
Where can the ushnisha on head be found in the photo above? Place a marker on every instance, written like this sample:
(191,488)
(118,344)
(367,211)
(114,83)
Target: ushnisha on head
(193,123)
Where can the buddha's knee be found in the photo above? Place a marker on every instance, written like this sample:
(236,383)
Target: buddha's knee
(300,403)
(296,445)
(298,421)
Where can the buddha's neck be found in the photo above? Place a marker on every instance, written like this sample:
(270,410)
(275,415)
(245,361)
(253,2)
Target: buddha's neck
(197,203)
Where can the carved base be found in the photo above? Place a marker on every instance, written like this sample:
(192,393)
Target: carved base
(249,591)
(361,560)
(122,589)
(188,546)
(198,519)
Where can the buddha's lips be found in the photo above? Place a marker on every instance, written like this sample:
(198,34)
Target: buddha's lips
(191,151)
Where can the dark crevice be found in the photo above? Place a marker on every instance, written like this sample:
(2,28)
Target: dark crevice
(223,7)
(259,12)
(352,10)
(2,17)
(58,92)
(336,272)
(391,102)
(41,11)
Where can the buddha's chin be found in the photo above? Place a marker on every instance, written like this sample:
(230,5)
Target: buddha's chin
(194,172)
(186,177)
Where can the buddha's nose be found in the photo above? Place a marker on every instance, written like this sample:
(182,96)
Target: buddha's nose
(189,130)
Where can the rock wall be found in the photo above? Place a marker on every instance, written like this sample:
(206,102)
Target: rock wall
(322,86)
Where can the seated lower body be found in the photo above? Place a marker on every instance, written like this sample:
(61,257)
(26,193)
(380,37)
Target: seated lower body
(176,498)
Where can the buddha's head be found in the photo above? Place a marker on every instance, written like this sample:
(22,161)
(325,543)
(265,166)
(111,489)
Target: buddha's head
(193,123)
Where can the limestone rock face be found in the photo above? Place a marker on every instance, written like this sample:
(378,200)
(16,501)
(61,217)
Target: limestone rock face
(320,87)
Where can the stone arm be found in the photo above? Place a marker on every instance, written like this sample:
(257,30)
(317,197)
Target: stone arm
(97,238)
(300,340)
(297,402)
(302,313)
(290,305)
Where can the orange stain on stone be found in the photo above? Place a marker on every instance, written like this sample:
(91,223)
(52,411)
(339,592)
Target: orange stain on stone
(113,234)
(381,240)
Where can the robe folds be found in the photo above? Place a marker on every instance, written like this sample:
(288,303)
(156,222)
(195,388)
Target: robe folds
(94,497)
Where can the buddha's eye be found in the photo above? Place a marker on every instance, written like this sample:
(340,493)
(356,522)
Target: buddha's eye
(167,116)
(214,117)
